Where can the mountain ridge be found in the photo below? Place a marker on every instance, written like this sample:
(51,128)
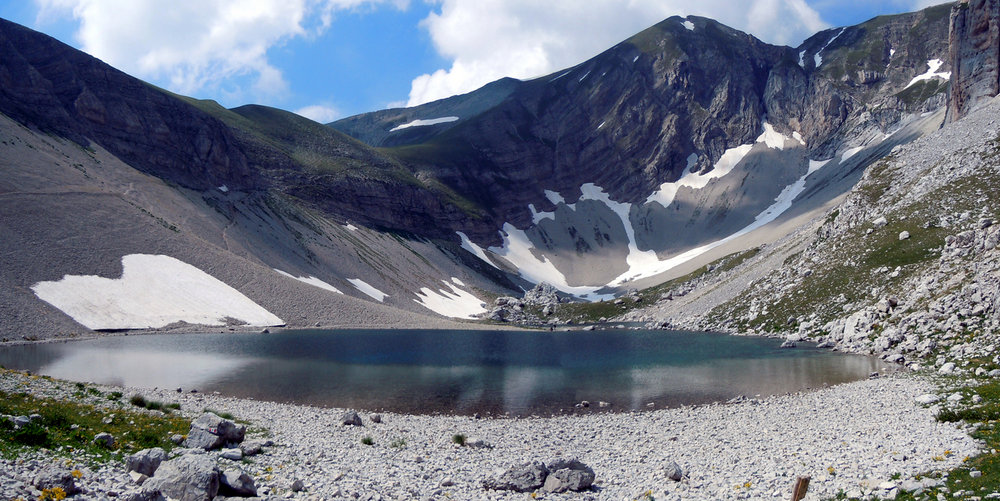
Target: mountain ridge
(684,138)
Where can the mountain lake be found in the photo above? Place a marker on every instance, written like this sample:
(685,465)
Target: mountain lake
(455,372)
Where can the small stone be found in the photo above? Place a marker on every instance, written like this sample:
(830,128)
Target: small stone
(976,399)
(232,454)
(138,478)
(251,448)
(903,235)
(54,476)
(351,418)
(927,398)
(673,471)
(447,482)
(104,440)
(975,473)
(376,418)
(880,222)
(298,485)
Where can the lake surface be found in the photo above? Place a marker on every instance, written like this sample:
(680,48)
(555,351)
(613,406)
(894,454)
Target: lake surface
(464,372)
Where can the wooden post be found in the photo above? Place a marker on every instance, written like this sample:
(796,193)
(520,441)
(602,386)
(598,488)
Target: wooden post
(801,486)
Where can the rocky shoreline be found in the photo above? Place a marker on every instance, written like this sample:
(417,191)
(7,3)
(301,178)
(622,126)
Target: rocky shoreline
(870,436)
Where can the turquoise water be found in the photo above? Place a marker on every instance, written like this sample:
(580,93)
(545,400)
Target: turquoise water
(465,372)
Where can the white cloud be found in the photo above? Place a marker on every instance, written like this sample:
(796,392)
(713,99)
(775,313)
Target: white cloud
(193,46)
(490,39)
(319,113)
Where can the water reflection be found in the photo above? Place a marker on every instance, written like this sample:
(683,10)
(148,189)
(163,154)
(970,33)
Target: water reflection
(451,371)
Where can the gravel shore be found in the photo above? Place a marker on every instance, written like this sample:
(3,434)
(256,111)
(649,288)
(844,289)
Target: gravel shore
(852,437)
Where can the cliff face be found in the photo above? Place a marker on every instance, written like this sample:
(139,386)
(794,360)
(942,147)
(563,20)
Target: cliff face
(974,36)
(65,92)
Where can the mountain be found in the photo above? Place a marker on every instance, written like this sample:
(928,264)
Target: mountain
(685,143)
(604,172)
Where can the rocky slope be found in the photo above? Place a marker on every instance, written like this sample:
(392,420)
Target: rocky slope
(687,137)
(905,267)
(647,150)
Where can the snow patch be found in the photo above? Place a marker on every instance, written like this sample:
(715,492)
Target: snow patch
(153,291)
(815,165)
(802,59)
(602,125)
(423,122)
(636,58)
(367,289)
(729,159)
(560,76)
(654,267)
(476,250)
(584,76)
(892,52)
(351,227)
(689,25)
(772,138)
(850,153)
(516,249)
(818,59)
(933,66)
(454,302)
(798,137)
(311,280)
(457,281)
(554,197)
(223,188)
(537,217)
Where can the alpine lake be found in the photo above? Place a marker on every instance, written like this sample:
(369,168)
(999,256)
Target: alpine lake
(489,372)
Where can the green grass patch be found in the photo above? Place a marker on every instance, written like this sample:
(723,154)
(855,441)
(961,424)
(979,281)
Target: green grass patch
(223,415)
(73,425)
(986,419)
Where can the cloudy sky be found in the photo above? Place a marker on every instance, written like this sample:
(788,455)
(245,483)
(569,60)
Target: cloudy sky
(327,59)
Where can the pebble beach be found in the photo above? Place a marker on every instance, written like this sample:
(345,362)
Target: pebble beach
(863,438)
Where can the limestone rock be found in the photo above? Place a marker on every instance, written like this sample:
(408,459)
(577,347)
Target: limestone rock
(210,431)
(104,439)
(235,482)
(524,477)
(55,476)
(568,475)
(146,461)
(187,478)
(673,471)
(351,418)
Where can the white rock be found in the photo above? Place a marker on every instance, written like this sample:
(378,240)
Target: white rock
(927,398)
(903,235)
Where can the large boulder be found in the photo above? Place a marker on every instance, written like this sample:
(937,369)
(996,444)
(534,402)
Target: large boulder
(568,475)
(146,461)
(193,477)
(524,477)
(210,431)
(55,476)
(236,483)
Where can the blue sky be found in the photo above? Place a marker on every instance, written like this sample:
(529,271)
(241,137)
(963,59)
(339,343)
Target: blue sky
(328,59)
